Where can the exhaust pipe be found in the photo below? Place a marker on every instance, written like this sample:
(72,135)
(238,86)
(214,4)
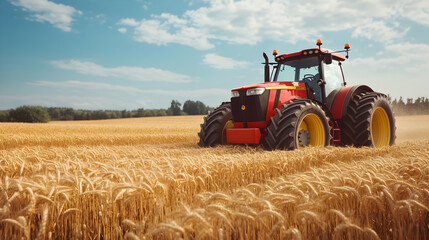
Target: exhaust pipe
(267,68)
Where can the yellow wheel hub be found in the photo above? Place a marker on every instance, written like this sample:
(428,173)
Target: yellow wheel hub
(380,128)
(228,125)
(311,131)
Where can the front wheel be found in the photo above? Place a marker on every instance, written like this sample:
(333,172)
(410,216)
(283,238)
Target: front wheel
(299,123)
(213,130)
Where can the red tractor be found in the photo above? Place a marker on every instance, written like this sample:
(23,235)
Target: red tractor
(303,102)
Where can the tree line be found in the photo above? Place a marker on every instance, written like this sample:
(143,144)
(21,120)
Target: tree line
(411,106)
(37,114)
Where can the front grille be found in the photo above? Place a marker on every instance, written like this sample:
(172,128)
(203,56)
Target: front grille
(255,107)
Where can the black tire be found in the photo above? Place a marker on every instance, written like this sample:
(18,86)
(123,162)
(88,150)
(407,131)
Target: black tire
(213,130)
(283,128)
(348,122)
(360,127)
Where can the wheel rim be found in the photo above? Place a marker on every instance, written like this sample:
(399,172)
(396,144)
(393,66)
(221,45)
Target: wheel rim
(380,128)
(313,125)
(228,125)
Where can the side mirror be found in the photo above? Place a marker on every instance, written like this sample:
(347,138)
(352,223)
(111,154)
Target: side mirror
(328,58)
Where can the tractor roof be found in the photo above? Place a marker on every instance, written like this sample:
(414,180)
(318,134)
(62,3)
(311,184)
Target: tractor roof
(309,52)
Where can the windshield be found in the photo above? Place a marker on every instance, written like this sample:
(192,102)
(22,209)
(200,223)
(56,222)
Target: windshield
(298,70)
(301,70)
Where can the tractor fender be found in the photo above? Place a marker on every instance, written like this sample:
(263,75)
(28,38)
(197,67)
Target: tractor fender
(341,99)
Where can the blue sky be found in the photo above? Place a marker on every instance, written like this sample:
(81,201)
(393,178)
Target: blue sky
(128,54)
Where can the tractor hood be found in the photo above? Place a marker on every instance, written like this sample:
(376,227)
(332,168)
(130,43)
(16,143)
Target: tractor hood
(273,85)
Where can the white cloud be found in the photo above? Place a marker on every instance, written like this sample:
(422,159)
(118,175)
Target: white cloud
(415,10)
(125,72)
(107,86)
(252,21)
(59,15)
(408,57)
(219,62)
(122,30)
(378,31)
(398,70)
(100,18)
(129,22)
(158,31)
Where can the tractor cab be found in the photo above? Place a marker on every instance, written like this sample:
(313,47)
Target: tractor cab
(309,69)
(320,70)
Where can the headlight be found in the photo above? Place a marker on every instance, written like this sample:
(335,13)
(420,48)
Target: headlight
(235,94)
(255,91)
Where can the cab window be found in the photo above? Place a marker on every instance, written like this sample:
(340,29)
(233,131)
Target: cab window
(333,77)
(301,70)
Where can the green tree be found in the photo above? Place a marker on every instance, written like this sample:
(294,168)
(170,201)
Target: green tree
(79,115)
(194,108)
(140,112)
(161,112)
(148,113)
(29,114)
(54,113)
(4,116)
(67,114)
(175,108)
(125,114)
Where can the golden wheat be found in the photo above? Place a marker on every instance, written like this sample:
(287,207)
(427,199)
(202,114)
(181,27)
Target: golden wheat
(146,178)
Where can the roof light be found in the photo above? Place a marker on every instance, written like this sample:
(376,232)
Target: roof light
(275,52)
(305,53)
(310,52)
(277,59)
(347,46)
(319,42)
(316,51)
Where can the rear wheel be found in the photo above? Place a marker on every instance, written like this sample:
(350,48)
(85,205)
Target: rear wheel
(213,130)
(299,123)
(369,121)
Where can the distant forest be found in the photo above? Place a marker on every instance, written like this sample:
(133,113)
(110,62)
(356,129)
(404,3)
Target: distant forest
(44,114)
(419,106)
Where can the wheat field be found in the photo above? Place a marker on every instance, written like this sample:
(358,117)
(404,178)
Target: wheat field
(146,178)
